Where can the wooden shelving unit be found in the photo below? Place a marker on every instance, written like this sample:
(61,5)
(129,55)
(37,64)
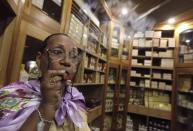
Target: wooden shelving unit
(88,84)
(92,42)
(152,76)
(34,20)
(115,96)
(182,119)
(137,109)
(7,26)
(147,88)
(94,113)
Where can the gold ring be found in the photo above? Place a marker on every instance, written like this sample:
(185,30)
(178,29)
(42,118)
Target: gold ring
(52,82)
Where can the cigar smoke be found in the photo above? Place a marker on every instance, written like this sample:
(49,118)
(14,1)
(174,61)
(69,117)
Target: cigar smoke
(132,21)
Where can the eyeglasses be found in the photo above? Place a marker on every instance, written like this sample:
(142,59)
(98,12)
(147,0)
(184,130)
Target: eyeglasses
(59,54)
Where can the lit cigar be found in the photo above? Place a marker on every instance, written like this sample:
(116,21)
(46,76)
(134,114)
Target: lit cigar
(67,79)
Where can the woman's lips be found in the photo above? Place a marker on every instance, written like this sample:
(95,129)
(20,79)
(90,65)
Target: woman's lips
(66,76)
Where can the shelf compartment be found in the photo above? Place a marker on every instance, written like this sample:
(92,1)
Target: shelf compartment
(147,88)
(186,92)
(142,77)
(89,69)
(140,56)
(88,84)
(161,79)
(94,113)
(137,47)
(92,54)
(186,107)
(150,112)
(141,66)
(162,68)
(160,57)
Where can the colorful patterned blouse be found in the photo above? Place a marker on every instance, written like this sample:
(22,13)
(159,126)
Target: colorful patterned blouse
(20,99)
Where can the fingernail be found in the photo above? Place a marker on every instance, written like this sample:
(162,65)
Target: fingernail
(63,71)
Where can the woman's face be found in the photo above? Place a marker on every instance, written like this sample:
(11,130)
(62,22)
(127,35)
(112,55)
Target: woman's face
(60,54)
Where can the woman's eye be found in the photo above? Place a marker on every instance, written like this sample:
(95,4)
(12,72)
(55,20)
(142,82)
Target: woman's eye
(73,54)
(57,52)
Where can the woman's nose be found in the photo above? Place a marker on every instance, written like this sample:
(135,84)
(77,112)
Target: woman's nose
(66,61)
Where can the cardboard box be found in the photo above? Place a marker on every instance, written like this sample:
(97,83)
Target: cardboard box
(147,62)
(163,43)
(132,83)
(167,76)
(157,34)
(141,43)
(139,35)
(38,3)
(156,42)
(148,53)
(157,75)
(162,85)
(148,43)
(134,61)
(147,75)
(133,73)
(134,52)
(167,63)
(168,87)
(147,83)
(142,83)
(135,42)
(155,54)
(171,42)
(149,34)
(154,84)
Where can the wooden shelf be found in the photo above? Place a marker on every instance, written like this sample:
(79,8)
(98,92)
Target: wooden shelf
(86,68)
(79,46)
(160,57)
(162,68)
(94,113)
(158,89)
(104,47)
(185,107)
(161,79)
(148,88)
(186,92)
(143,77)
(103,59)
(137,47)
(163,48)
(157,113)
(149,67)
(155,57)
(91,53)
(140,66)
(101,71)
(111,83)
(140,56)
(186,53)
(137,86)
(87,84)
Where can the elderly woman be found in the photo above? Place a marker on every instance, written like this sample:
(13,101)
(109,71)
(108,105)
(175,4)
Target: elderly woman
(48,104)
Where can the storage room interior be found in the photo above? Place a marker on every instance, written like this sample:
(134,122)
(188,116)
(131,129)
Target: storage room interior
(136,73)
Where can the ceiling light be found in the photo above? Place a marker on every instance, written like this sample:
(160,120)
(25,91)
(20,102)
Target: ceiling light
(187,41)
(124,11)
(171,21)
(182,27)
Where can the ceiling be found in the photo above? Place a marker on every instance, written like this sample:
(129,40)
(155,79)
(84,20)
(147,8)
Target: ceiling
(143,14)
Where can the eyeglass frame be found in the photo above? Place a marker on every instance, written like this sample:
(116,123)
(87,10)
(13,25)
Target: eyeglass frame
(50,55)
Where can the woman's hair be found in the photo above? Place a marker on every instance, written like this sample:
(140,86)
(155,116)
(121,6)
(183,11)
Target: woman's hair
(45,42)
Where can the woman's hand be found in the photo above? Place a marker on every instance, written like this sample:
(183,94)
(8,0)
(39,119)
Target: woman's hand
(52,87)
